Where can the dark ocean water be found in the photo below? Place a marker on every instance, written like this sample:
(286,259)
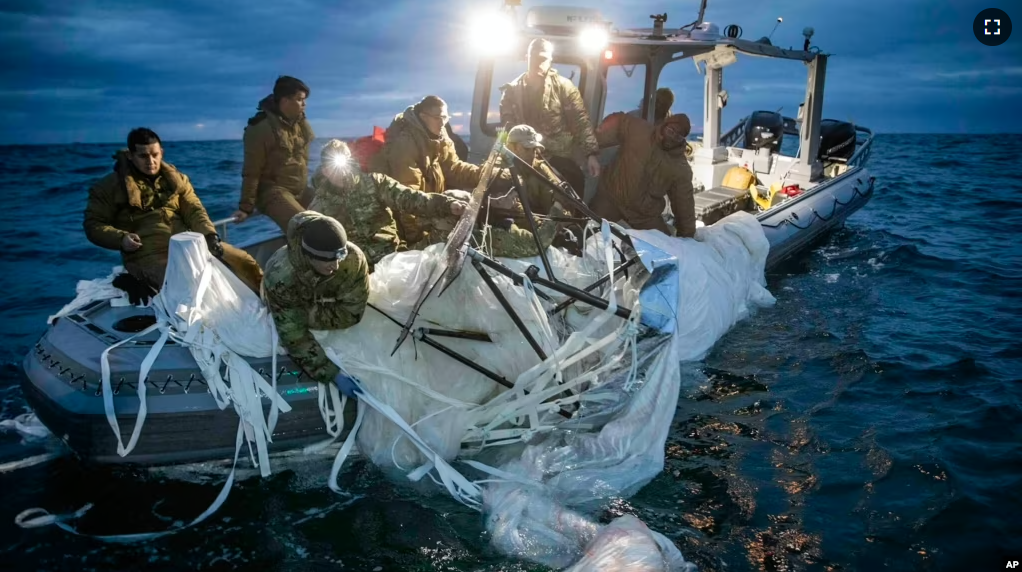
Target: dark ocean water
(872,419)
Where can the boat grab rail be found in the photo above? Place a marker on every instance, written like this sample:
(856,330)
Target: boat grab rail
(861,155)
(734,135)
(221,227)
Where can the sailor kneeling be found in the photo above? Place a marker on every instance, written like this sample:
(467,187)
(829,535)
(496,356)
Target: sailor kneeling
(366,203)
(140,205)
(317,281)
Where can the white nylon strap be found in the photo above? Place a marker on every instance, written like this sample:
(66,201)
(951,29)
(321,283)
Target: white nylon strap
(38,517)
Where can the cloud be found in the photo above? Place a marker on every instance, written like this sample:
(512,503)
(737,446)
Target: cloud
(92,69)
(968,74)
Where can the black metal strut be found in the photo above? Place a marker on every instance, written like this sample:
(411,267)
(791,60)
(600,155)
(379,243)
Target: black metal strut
(507,308)
(523,196)
(422,336)
(533,274)
(621,268)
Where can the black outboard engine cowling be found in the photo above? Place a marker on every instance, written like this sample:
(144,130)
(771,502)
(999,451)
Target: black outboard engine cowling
(764,130)
(837,139)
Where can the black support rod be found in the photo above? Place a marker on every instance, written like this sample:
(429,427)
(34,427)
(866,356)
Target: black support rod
(571,198)
(580,295)
(474,336)
(594,285)
(523,196)
(465,361)
(461,359)
(507,308)
(533,275)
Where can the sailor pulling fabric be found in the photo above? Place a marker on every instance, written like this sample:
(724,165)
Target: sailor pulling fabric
(300,299)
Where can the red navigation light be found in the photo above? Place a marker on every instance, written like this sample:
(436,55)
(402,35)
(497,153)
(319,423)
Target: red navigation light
(608,54)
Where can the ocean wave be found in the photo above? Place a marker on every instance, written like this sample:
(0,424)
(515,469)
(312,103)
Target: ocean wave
(66,189)
(40,169)
(948,164)
(228,165)
(92,170)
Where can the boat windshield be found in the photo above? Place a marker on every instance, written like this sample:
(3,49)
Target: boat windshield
(625,87)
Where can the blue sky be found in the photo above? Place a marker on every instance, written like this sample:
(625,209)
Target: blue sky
(90,70)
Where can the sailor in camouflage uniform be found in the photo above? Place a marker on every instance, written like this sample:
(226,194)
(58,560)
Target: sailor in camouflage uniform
(366,203)
(318,281)
(553,106)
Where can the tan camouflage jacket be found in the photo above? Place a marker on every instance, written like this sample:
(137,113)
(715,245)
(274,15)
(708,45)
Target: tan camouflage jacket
(126,201)
(367,208)
(300,299)
(276,156)
(564,122)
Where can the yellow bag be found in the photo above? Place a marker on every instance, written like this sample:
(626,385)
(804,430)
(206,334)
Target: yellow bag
(772,199)
(738,178)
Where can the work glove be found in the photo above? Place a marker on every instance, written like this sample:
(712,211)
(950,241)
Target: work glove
(213,243)
(459,194)
(138,291)
(346,384)
(502,223)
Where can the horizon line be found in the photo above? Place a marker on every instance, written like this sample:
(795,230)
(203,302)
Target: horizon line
(465,136)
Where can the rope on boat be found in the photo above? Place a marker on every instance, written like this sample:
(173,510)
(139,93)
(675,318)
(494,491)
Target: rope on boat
(816,215)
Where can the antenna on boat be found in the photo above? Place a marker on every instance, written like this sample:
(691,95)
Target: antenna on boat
(699,20)
(702,12)
(808,33)
(766,39)
(779,20)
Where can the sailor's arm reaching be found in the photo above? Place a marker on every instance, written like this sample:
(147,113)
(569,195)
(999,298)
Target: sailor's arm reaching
(318,281)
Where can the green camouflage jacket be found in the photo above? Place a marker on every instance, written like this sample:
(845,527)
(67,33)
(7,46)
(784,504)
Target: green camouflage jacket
(367,208)
(541,198)
(514,242)
(300,299)
(562,118)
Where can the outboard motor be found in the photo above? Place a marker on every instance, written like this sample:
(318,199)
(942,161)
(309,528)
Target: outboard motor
(764,130)
(837,139)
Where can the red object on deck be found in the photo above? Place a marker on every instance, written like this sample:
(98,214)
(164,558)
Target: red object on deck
(792,190)
(364,148)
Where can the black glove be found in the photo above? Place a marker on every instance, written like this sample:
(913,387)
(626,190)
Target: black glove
(504,223)
(213,243)
(567,240)
(138,291)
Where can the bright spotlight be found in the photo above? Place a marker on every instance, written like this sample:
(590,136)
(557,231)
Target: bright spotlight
(593,39)
(493,33)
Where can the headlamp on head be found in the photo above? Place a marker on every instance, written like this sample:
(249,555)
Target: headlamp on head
(339,161)
(336,155)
